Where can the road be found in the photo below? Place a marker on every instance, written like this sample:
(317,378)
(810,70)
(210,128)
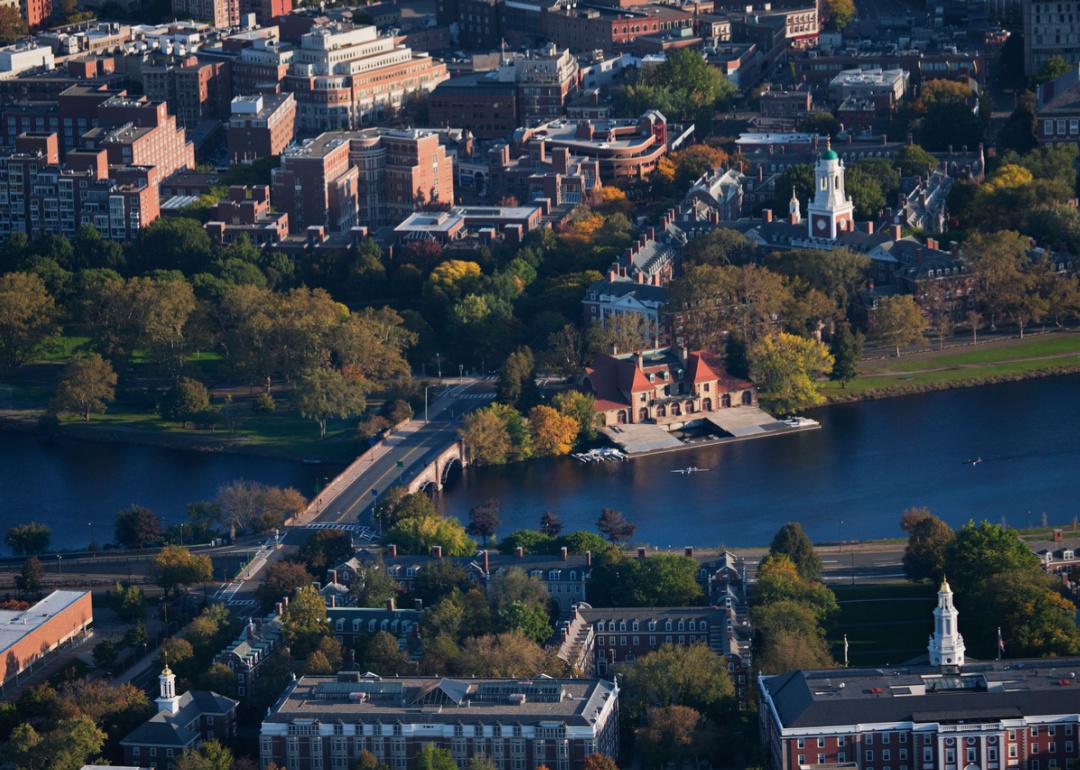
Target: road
(873,562)
(405,452)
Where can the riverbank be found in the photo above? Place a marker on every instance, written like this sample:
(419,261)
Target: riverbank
(1000,360)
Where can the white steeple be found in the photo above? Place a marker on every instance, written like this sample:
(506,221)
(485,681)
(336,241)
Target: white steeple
(794,211)
(946,643)
(167,700)
(831,211)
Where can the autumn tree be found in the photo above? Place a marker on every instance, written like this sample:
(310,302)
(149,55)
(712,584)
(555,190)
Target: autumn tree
(484,520)
(674,734)
(582,408)
(693,676)
(175,566)
(614,526)
(27,317)
(257,507)
(791,541)
(87,386)
(785,368)
(417,535)
(211,755)
(12,24)
(323,394)
(32,575)
(550,523)
(509,654)
(840,13)
(599,762)
(928,539)
(137,527)
(28,538)
(305,620)
(898,321)
(720,246)
(554,433)
(486,437)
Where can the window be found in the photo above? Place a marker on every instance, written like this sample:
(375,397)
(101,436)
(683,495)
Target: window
(869,755)
(903,754)
(821,759)
(1034,732)
(886,755)
(802,759)
(991,754)
(821,742)
(885,738)
(870,739)
(1051,730)
(801,743)
(1012,751)
(928,755)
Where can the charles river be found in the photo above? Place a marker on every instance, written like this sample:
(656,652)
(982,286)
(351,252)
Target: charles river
(849,480)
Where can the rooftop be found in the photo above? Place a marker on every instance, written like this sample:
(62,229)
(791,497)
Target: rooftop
(16,624)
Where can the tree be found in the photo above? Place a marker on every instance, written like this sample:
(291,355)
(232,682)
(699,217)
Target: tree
(913,160)
(185,401)
(67,746)
(486,437)
(582,408)
(257,507)
(325,548)
(32,575)
(508,654)
(791,541)
(305,621)
(550,524)
(478,762)
(28,538)
(789,637)
(722,246)
(137,527)
(797,179)
(1019,132)
(27,317)
(614,526)
(530,620)
(661,580)
(484,520)
(87,387)
(1054,67)
(899,321)
(105,654)
(928,540)
(979,551)
(175,566)
(12,25)
(383,654)
(785,367)
(439,579)
(846,349)
(211,755)
(684,87)
(176,243)
(432,758)
(779,580)
(418,534)
(599,762)
(693,676)
(517,378)
(327,393)
(673,734)
(282,579)
(840,12)
(553,432)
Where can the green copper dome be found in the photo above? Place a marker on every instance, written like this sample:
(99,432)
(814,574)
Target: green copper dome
(829,155)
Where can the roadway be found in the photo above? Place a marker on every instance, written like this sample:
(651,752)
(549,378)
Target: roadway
(400,456)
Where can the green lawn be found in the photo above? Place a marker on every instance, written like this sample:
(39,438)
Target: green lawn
(884,623)
(930,371)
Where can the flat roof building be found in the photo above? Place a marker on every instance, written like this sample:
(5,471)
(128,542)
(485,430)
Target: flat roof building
(27,636)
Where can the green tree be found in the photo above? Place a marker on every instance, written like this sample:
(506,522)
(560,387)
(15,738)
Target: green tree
(899,321)
(32,575)
(176,243)
(374,588)
(211,755)
(174,566)
(1018,133)
(87,387)
(779,580)
(282,579)
(550,524)
(788,637)
(440,579)
(928,540)
(979,551)
(1053,68)
(327,393)
(840,13)
(27,317)
(693,676)
(187,400)
(28,538)
(486,437)
(865,190)
(517,379)
(846,349)
(417,535)
(305,621)
(325,548)
(785,368)
(580,406)
(137,527)
(661,580)
(791,541)
(432,758)
(913,160)
(721,246)
(383,654)
(797,179)
(530,620)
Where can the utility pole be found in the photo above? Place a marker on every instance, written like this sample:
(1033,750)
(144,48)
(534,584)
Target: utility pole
(425,404)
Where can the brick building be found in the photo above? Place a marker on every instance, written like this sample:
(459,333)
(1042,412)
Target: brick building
(260,126)
(28,636)
(557,177)
(43,196)
(262,66)
(316,186)
(588,27)
(1051,28)
(352,626)
(624,149)
(345,77)
(666,387)
(194,91)
(945,714)
(219,13)
(1057,109)
(140,133)
(246,212)
(246,655)
(182,722)
(487,222)
(326,721)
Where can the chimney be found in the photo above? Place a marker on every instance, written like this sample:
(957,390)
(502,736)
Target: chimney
(436,551)
(391,604)
(486,562)
(278,609)
(640,277)
(688,551)
(563,552)
(766,214)
(418,604)
(333,576)
(588,558)
(641,553)
(870,228)
(333,600)
(639,359)
(931,243)
(391,551)
(611,275)
(519,552)
(285,602)
(897,232)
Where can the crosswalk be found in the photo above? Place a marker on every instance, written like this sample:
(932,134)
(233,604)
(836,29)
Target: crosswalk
(358,531)
(477,395)
(241,603)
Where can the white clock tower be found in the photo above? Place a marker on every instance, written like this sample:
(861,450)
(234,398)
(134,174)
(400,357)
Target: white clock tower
(831,211)
(946,644)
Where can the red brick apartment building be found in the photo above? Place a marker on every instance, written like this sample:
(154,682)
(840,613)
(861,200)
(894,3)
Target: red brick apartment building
(194,91)
(36,12)
(246,212)
(219,13)
(27,636)
(260,126)
(327,721)
(587,27)
(946,714)
(134,131)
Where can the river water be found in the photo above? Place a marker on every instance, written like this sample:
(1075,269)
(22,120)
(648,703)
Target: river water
(851,479)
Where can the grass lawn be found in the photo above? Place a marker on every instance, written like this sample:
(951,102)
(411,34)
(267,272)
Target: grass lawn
(931,371)
(884,623)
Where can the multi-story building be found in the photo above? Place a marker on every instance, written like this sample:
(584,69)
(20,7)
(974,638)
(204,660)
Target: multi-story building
(327,721)
(246,212)
(776,31)
(400,170)
(589,27)
(24,57)
(1051,28)
(545,79)
(488,222)
(40,196)
(137,132)
(920,65)
(246,655)
(1057,109)
(266,11)
(316,186)
(262,66)
(949,712)
(260,126)
(352,626)
(194,91)
(182,722)
(559,177)
(624,149)
(786,106)
(344,77)
(871,83)
(28,636)
(219,13)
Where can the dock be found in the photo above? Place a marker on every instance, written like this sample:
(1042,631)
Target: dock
(727,426)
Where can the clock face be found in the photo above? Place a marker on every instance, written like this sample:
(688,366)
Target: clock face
(821,224)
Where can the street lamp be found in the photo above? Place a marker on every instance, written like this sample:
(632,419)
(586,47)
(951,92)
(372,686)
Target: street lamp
(438,363)
(59,568)
(91,525)
(425,402)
